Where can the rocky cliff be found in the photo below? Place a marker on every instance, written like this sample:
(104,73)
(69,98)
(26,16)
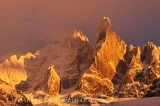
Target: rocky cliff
(143,68)
(106,66)
(69,57)
(9,96)
(106,57)
(13,71)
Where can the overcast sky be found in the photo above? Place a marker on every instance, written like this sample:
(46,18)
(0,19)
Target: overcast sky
(28,25)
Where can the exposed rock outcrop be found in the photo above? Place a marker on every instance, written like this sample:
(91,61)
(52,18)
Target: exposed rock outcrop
(13,71)
(9,96)
(107,66)
(134,68)
(78,59)
(96,85)
(70,58)
(154,89)
(143,69)
(53,82)
(107,56)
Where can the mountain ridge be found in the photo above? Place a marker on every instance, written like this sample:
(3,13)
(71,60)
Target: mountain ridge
(106,66)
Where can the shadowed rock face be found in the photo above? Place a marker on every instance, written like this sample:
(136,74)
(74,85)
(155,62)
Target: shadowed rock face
(107,66)
(143,69)
(134,67)
(69,57)
(154,90)
(78,58)
(9,96)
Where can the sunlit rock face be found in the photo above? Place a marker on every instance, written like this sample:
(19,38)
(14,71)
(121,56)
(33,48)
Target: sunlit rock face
(151,57)
(13,70)
(49,83)
(106,58)
(94,84)
(53,82)
(75,40)
(143,68)
(106,66)
(134,67)
(9,96)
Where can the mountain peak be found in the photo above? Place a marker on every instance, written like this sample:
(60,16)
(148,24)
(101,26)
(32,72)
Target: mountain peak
(75,39)
(104,24)
(107,20)
(107,68)
(103,30)
(78,34)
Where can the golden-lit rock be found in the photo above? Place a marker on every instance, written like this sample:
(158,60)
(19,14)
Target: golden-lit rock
(108,52)
(135,67)
(130,90)
(93,84)
(109,55)
(78,34)
(13,70)
(53,82)
(111,50)
(76,39)
(143,68)
(151,57)
(105,66)
(150,53)
(9,96)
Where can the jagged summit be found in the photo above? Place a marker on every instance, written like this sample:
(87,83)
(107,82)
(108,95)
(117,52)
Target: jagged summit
(13,71)
(108,51)
(106,67)
(78,34)
(103,29)
(104,24)
(107,20)
(75,39)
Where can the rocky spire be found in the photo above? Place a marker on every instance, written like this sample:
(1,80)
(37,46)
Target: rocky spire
(103,28)
(108,52)
(76,39)
(78,34)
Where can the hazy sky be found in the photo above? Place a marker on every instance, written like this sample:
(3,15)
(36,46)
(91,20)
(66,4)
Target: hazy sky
(28,25)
